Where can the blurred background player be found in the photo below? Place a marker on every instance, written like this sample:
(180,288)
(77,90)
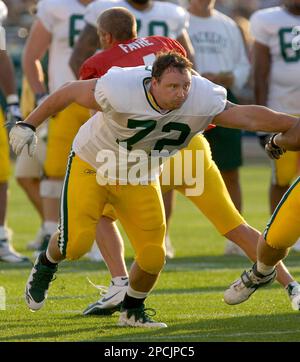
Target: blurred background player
(153,18)
(29,170)
(221,57)
(57,24)
(8,87)
(276,68)
(116,28)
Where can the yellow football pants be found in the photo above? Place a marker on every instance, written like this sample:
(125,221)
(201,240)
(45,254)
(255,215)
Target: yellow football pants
(4,151)
(285,169)
(215,202)
(283,229)
(61,131)
(139,209)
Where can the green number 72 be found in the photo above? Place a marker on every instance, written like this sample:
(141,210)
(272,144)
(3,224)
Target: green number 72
(148,126)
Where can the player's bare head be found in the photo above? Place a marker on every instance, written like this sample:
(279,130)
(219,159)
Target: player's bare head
(118,22)
(170,60)
(171,79)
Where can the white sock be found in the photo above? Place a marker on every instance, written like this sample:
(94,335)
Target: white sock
(120,281)
(50,227)
(135,294)
(3,232)
(263,268)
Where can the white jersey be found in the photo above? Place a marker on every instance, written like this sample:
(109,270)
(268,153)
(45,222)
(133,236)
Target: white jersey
(273,28)
(219,46)
(3,12)
(133,117)
(163,18)
(64,20)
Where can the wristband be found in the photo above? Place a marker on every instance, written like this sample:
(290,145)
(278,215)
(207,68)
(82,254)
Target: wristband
(12,99)
(272,141)
(24,124)
(2,38)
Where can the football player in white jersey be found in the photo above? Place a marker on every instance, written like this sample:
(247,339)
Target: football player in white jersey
(29,170)
(153,18)
(8,87)
(276,80)
(165,108)
(55,29)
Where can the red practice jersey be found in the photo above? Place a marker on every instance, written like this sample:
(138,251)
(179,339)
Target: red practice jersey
(130,53)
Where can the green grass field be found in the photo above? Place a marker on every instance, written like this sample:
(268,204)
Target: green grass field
(188,296)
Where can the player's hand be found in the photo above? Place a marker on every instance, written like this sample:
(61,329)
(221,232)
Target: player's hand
(23,134)
(13,115)
(274,151)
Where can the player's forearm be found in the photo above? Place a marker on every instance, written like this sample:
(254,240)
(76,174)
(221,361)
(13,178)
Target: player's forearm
(261,82)
(261,89)
(261,72)
(34,74)
(80,92)
(289,140)
(7,78)
(254,118)
(36,46)
(264,119)
(53,104)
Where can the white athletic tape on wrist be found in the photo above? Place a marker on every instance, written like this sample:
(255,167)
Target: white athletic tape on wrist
(274,140)
(2,39)
(51,188)
(12,98)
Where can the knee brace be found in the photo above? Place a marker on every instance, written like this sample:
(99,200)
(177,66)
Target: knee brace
(151,258)
(51,188)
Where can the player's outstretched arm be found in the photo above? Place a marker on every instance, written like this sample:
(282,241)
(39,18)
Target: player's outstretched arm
(254,118)
(81,92)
